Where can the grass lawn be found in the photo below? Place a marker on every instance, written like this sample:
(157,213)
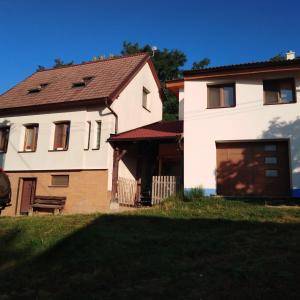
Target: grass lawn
(208,249)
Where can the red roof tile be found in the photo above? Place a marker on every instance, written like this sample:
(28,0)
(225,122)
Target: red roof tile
(158,130)
(110,76)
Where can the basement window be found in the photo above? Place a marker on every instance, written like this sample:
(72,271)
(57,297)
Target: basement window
(60,180)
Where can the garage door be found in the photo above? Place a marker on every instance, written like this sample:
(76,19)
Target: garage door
(253,169)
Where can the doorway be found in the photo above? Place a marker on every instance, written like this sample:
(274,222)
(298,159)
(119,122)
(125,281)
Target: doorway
(28,193)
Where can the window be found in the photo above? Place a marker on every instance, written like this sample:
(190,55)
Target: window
(219,96)
(31,136)
(4,135)
(279,91)
(83,82)
(61,136)
(146,100)
(88,136)
(60,180)
(271,173)
(98,134)
(271,160)
(270,148)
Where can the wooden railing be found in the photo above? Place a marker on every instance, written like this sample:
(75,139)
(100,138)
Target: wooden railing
(127,189)
(162,188)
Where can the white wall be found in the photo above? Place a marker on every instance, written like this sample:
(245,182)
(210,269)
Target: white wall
(129,104)
(131,114)
(250,119)
(43,159)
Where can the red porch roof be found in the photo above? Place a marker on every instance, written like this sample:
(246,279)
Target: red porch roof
(158,130)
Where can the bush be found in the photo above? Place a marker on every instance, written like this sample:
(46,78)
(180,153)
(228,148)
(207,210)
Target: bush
(193,194)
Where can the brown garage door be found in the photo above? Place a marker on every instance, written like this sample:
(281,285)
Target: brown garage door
(253,169)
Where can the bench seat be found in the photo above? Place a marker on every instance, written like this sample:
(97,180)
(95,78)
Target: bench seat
(48,202)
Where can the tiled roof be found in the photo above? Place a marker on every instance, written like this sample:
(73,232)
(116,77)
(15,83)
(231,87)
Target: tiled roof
(158,130)
(109,76)
(260,64)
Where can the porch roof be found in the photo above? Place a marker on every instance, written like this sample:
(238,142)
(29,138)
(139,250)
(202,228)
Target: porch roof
(154,131)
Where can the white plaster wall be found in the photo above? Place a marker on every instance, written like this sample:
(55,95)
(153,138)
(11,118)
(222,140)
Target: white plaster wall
(250,119)
(43,159)
(129,103)
(131,114)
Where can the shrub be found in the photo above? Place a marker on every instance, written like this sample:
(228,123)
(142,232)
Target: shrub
(193,194)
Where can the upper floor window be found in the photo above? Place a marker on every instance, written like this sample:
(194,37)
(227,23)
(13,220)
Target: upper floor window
(219,96)
(31,136)
(98,134)
(61,135)
(4,136)
(146,99)
(279,91)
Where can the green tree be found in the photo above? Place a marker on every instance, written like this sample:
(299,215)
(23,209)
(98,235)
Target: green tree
(201,64)
(168,64)
(58,63)
(278,57)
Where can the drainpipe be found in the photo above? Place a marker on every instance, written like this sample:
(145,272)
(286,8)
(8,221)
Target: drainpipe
(115,114)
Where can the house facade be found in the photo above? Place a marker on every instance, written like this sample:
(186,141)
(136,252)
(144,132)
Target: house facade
(55,124)
(242,128)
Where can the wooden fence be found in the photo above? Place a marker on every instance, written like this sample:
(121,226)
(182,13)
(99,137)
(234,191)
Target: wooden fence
(162,188)
(127,189)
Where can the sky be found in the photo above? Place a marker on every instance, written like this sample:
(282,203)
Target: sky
(35,32)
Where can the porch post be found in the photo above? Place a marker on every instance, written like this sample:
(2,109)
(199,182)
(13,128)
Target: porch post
(115,175)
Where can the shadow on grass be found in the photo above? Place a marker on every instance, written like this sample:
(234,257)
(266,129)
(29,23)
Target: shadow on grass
(140,257)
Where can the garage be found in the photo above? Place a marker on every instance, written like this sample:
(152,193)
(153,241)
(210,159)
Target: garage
(255,168)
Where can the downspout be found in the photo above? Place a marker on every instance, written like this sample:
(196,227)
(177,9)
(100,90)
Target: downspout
(114,113)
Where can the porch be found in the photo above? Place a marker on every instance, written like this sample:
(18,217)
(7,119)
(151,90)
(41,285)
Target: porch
(148,164)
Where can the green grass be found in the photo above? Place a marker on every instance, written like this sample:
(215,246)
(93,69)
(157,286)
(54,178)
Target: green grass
(208,249)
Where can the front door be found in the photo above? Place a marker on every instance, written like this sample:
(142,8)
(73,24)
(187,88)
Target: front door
(28,192)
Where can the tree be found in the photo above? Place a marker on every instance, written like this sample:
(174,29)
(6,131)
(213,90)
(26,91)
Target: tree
(201,64)
(278,57)
(168,63)
(58,63)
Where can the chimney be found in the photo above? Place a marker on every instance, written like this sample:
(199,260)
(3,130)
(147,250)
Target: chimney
(290,55)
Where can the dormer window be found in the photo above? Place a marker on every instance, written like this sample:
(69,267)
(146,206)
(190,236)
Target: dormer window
(83,82)
(38,88)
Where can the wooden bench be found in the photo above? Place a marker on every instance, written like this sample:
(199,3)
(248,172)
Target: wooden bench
(48,202)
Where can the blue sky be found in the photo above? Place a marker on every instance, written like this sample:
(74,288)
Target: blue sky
(35,32)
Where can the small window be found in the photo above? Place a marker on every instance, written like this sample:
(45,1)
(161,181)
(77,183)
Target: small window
(146,100)
(270,148)
(271,173)
(4,136)
(61,136)
(279,91)
(60,180)
(83,82)
(88,138)
(34,90)
(31,136)
(271,160)
(220,96)
(98,134)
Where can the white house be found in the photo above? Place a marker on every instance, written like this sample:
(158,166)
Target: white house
(242,128)
(55,125)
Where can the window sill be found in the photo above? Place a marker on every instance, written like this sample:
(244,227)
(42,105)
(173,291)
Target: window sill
(221,107)
(58,150)
(58,186)
(23,151)
(98,148)
(280,103)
